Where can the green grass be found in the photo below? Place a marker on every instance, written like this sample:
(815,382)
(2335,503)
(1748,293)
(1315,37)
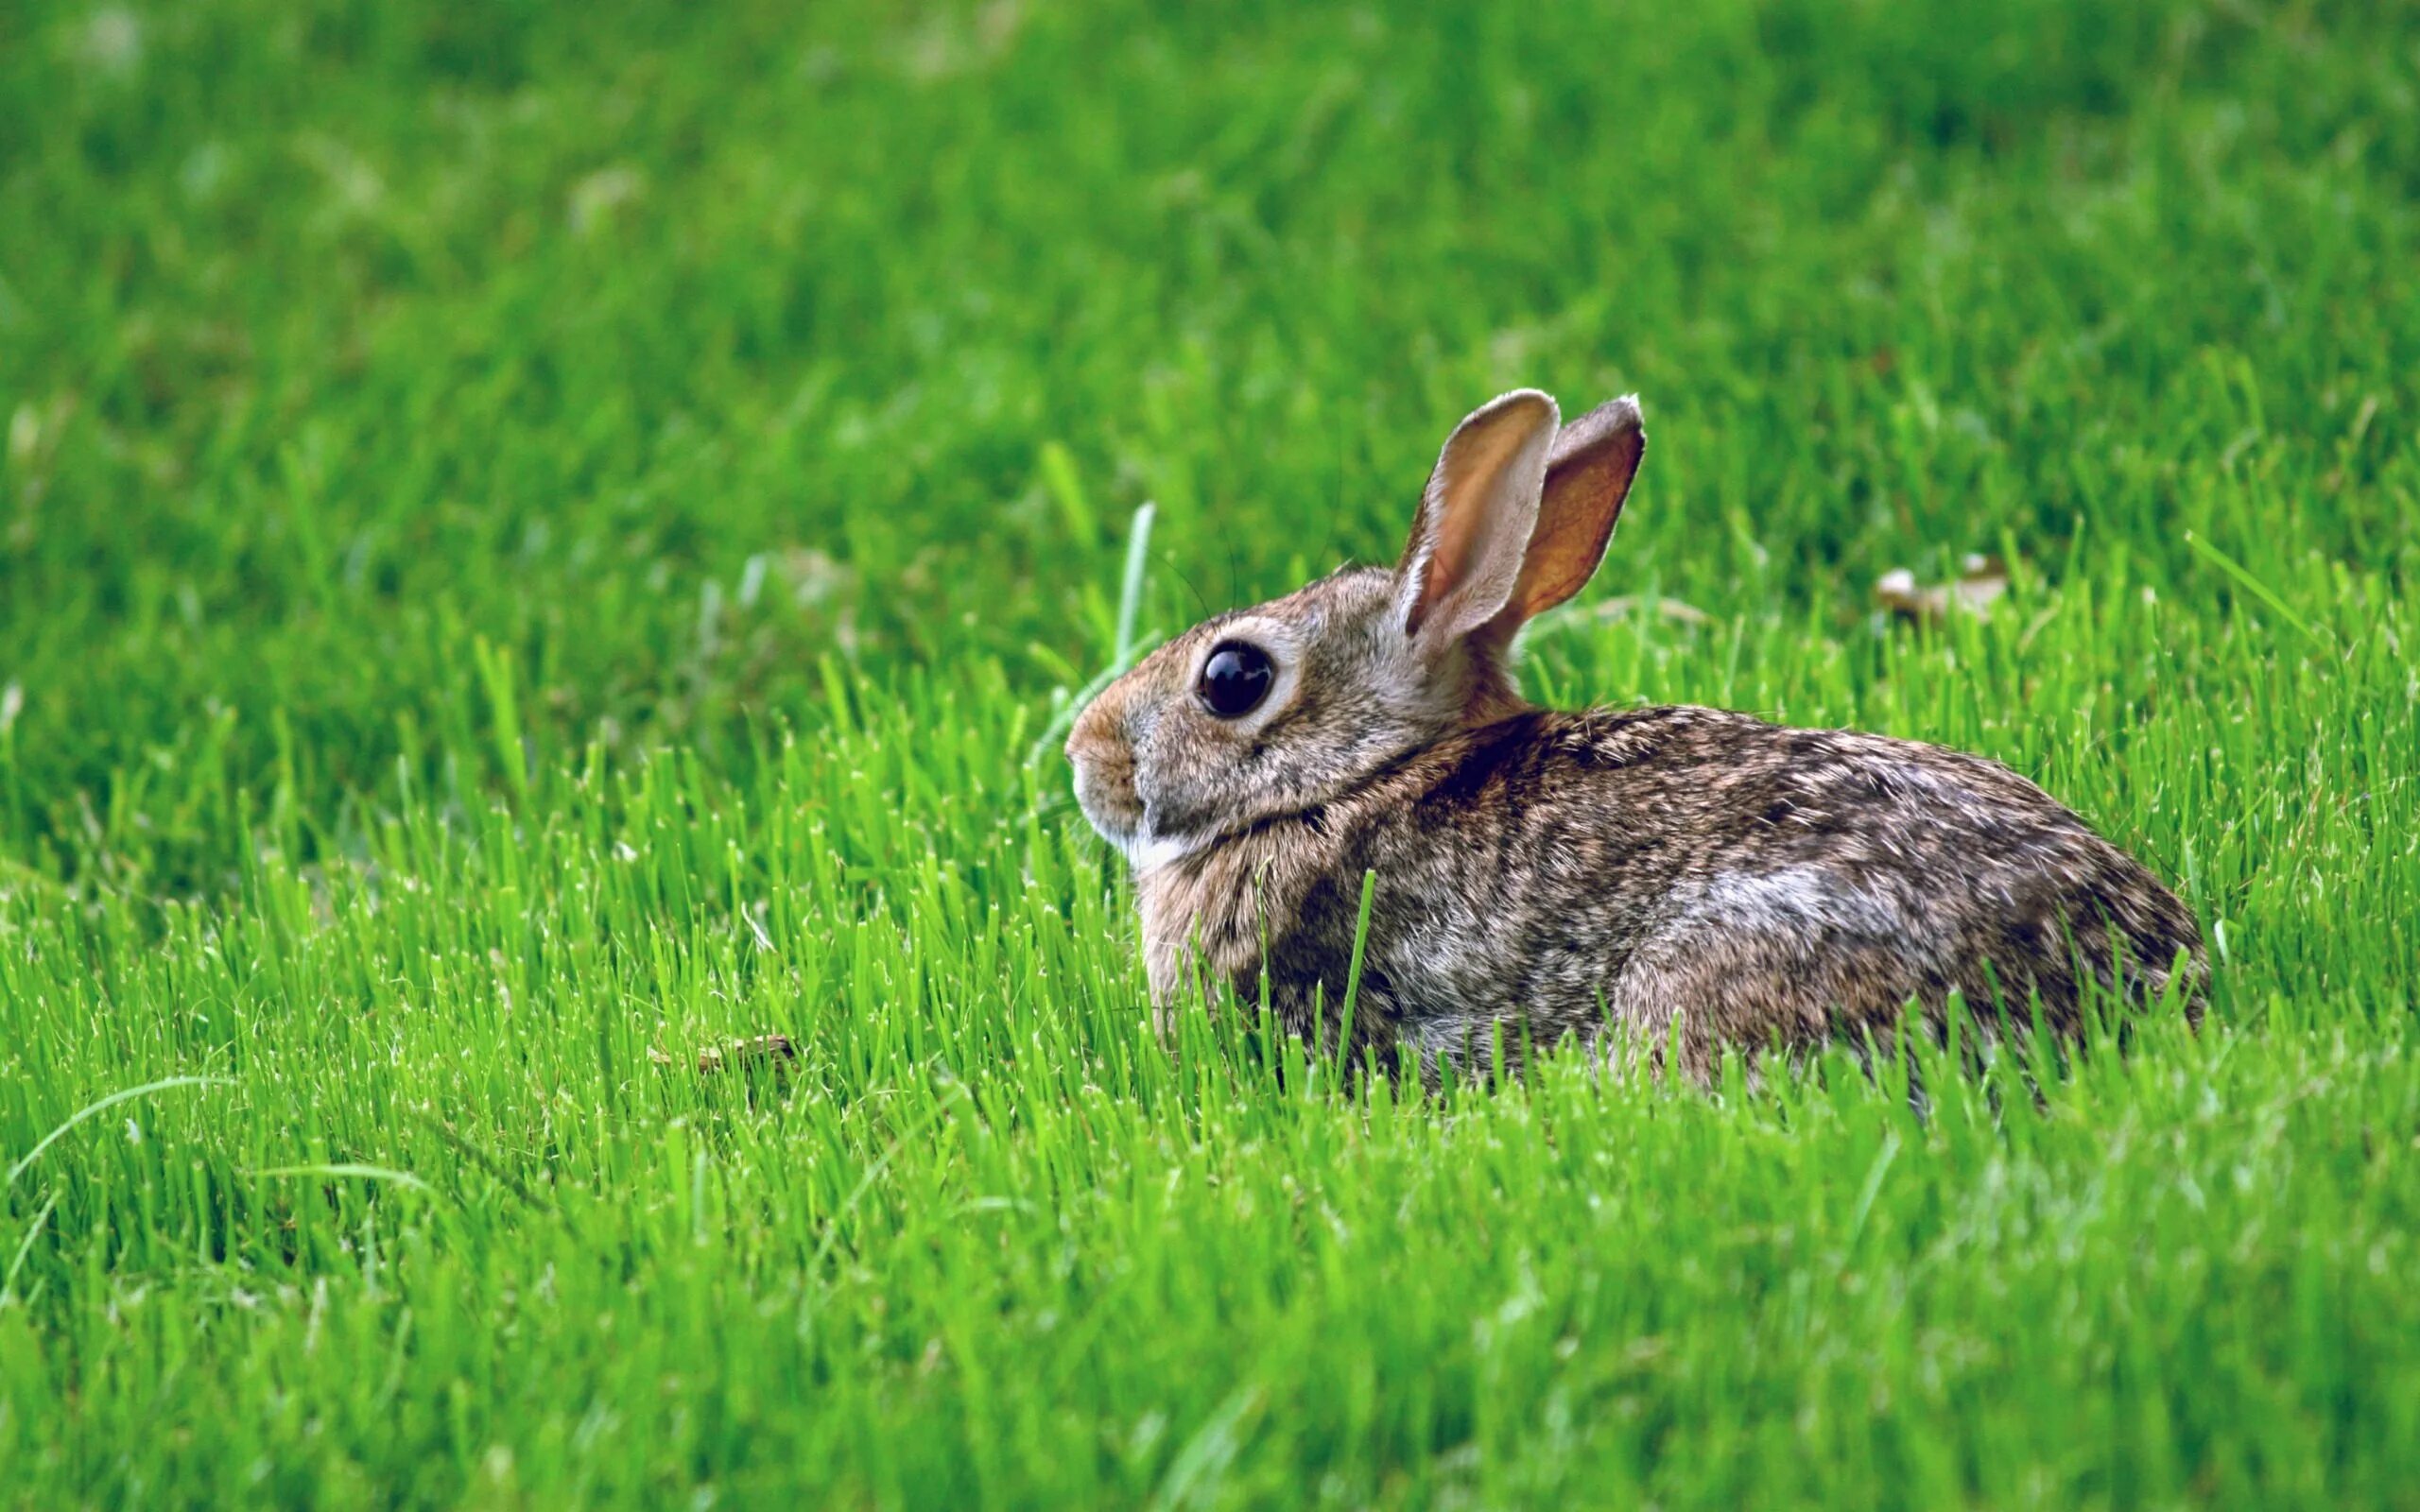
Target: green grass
(536,541)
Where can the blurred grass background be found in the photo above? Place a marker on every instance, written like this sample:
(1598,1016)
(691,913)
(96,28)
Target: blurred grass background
(532,535)
(667,355)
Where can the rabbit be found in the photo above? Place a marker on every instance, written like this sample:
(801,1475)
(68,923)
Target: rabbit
(1654,877)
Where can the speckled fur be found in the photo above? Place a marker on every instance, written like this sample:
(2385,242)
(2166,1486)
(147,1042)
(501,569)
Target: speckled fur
(1659,876)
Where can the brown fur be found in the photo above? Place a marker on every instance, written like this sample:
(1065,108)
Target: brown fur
(1659,876)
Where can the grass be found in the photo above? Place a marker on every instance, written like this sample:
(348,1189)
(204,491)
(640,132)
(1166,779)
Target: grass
(534,544)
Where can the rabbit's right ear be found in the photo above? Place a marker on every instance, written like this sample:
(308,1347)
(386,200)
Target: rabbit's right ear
(1463,560)
(1588,476)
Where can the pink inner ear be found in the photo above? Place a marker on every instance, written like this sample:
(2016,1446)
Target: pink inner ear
(1480,504)
(1462,529)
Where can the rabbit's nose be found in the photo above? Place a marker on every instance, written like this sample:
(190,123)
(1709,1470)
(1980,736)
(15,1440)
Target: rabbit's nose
(1097,729)
(1084,739)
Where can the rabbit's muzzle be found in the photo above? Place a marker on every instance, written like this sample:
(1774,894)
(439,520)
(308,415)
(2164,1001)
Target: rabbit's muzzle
(1104,762)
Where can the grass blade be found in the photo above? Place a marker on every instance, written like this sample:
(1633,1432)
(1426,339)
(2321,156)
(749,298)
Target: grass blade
(102,1106)
(2253,586)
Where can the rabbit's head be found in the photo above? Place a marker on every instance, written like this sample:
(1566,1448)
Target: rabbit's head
(1280,708)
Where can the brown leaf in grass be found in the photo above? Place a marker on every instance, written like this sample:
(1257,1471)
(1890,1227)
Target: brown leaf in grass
(1622,606)
(1981,580)
(757,1050)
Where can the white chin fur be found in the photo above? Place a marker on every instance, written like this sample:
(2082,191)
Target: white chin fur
(1148,852)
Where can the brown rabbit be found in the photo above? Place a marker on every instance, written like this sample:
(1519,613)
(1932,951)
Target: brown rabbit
(1676,875)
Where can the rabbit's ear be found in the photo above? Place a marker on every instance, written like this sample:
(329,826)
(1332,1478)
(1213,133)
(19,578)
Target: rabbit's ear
(1588,476)
(1464,558)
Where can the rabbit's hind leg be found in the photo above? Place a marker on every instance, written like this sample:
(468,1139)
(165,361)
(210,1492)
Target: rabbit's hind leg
(1697,989)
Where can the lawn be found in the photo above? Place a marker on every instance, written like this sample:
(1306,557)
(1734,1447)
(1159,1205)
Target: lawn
(538,545)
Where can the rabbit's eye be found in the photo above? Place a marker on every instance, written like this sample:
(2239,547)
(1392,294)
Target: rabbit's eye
(1234,679)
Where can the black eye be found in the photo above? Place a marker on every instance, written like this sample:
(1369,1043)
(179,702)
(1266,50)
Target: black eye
(1234,679)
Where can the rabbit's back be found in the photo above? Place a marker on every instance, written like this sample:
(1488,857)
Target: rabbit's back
(1560,872)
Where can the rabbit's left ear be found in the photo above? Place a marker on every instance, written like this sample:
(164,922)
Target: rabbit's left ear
(1588,476)
(1464,558)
